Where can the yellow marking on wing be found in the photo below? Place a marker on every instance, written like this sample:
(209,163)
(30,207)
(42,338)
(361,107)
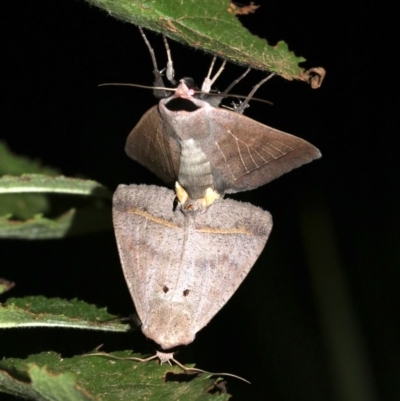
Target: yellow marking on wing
(224,231)
(208,230)
(157,220)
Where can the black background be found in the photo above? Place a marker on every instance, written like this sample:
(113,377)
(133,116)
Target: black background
(54,55)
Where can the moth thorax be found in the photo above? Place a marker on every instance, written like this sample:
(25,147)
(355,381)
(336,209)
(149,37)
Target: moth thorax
(195,173)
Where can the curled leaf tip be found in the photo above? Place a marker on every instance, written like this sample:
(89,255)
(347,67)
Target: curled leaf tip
(314,76)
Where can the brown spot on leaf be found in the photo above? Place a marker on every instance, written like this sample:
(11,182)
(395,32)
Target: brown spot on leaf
(242,10)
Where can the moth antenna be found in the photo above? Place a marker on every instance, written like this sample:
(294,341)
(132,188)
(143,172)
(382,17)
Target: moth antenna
(119,358)
(150,358)
(244,104)
(170,72)
(164,88)
(208,82)
(209,373)
(235,82)
(224,95)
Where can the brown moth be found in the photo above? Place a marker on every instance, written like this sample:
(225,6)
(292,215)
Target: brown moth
(182,266)
(185,138)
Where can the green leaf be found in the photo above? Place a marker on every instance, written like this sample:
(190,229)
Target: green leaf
(210,25)
(73,222)
(37,383)
(47,184)
(38,311)
(31,208)
(24,199)
(11,163)
(5,285)
(47,376)
(22,206)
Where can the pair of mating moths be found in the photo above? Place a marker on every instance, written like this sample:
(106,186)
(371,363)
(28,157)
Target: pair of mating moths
(182,262)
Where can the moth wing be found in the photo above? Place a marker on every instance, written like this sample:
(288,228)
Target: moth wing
(150,145)
(147,236)
(247,154)
(180,269)
(226,241)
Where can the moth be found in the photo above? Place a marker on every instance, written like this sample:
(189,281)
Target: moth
(182,266)
(209,150)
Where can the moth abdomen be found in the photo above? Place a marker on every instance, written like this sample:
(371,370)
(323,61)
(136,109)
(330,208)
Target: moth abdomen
(195,172)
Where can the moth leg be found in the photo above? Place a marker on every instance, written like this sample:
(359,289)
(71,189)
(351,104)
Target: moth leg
(158,78)
(181,194)
(235,82)
(170,72)
(210,196)
(216,100)
(158,81)
(240,108)
(208,81)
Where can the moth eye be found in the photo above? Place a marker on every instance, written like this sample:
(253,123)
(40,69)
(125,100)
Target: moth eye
(185,293)
(165,289)
(189,82)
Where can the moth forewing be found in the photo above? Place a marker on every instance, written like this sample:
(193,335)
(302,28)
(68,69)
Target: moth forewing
(151,147)
(181,268)
(248,154)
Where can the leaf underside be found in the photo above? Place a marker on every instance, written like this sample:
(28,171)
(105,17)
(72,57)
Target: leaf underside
(211,26)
